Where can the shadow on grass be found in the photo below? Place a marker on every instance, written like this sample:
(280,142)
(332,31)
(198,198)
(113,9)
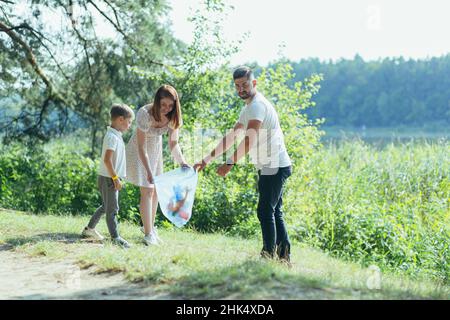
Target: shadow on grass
(60,237)
(254,279)
(6,247)
(114,292)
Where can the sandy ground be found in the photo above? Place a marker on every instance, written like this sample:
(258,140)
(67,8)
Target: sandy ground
(23,277)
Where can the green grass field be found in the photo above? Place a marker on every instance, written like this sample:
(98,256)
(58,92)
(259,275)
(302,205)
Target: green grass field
(191,265)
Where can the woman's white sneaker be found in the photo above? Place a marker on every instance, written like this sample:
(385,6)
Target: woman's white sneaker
(155,234)
(92,233)
(150,240)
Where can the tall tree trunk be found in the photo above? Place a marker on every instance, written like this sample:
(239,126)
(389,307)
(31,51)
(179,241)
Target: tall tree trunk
(94,146)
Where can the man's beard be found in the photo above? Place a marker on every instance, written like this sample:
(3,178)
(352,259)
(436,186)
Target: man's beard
(244,96)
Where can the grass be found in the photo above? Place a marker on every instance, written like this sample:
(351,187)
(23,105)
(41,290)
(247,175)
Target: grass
(191,265)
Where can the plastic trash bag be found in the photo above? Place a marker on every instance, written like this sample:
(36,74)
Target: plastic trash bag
(176,193)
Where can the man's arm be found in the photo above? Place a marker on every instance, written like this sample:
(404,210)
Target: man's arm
(248,141)
(225,144)
(243,148)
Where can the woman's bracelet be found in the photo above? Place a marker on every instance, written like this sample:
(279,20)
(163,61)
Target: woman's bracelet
(115,177)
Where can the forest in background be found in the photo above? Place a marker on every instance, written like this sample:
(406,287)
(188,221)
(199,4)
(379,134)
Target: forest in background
(384,93)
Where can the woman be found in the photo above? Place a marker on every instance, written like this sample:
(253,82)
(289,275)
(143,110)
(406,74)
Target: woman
(144,152)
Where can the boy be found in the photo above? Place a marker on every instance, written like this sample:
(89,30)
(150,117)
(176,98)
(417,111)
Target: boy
(112,169)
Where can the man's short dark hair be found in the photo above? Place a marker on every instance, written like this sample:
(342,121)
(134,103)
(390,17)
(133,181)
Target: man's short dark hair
(242,72)
(121,110)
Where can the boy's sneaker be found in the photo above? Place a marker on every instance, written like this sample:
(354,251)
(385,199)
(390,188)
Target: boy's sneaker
(91,233)
(121,242)
(150,240)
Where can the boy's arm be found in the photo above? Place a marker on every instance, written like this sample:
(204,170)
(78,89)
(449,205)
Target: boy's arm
(109,166)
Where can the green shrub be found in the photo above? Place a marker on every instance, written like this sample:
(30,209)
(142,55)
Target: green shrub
(226,204)
(389,207)
(47,181)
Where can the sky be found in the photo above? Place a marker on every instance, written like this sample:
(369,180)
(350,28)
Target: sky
(329,29)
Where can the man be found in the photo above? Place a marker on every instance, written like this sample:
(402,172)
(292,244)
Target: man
(264,141)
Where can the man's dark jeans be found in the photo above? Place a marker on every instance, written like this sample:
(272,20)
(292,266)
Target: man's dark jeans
(274,233)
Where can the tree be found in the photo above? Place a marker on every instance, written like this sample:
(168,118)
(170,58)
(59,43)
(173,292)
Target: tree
(61,71)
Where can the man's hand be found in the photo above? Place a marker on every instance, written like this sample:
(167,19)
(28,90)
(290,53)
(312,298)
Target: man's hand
(199,166)
(224,169)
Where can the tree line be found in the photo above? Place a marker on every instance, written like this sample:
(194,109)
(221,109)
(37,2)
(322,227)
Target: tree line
(383,93)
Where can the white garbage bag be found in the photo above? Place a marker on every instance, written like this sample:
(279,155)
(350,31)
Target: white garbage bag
(176,193)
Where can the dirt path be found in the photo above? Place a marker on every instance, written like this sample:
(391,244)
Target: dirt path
(22,277)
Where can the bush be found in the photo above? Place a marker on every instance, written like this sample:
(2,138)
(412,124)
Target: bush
(388,207)
(227,205)
(55,181)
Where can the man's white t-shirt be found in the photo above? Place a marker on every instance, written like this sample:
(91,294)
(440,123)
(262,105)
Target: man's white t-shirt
(113,141)
(270,150)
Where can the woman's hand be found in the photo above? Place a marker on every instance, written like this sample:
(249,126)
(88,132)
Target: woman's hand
(150,178)
(185,166)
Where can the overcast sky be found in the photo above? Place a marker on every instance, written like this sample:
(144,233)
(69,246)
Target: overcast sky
(330,29)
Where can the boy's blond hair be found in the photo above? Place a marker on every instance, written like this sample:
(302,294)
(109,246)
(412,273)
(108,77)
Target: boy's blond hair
(121,110)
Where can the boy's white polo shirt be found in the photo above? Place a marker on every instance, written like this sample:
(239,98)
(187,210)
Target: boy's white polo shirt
(113,140)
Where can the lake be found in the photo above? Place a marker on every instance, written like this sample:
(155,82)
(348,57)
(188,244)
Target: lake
(384,136)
